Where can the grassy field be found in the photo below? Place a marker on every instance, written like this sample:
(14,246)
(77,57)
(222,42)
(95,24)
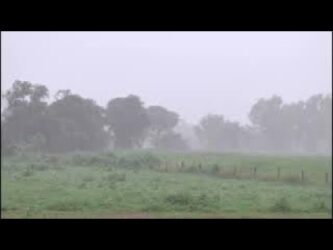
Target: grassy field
(161,185)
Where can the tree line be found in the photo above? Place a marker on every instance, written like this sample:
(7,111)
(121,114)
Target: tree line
(73,123)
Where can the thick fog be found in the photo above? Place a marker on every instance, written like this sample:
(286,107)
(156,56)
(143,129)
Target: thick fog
(166,125)
(225,88)
(193,73)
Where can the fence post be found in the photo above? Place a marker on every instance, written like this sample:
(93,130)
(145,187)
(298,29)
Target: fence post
(199,166)
(302,175)
(278,173)
(235,171)
(254,172)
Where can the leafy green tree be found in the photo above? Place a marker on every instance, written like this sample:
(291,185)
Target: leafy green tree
(209,131)
(292,126)
(295,127)
(75,123)
(216,133)
(128,121)
(265,115)
(161,121)
(25,108)
(171,141)
(318,123)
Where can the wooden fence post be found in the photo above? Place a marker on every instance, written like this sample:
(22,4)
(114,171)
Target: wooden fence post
(302,175)
(254,172)
(278,173)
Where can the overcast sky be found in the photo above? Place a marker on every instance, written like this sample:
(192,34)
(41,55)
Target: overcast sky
(192,73)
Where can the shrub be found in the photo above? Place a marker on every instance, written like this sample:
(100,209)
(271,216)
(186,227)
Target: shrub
(292,180)
(88,159)
(28,172)
(88,178)
(281,205)
(154,208)
(227,174)
(37,142)
(138,161)
(9,150)
(113,178)
(321,207)
(82,185)
(52,159)
(186,202)
(215,169)
(66,206)
(38,166)
(178,199)
(191,169)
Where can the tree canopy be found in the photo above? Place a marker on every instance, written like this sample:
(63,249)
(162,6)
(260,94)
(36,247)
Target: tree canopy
(71,122)
(128,120)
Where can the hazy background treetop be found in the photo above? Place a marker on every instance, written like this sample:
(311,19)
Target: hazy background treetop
(216,91)
(193,73)
(73,123)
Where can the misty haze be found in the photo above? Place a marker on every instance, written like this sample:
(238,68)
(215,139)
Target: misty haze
(166,124)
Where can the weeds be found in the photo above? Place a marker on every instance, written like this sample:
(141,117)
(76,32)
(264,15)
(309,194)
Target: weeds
(321,207)
(292,180)
(88,178)
(281,205)
(82,185)
(115,177)
(28,172)
(215,169)
(52,159)
(39,166)
(187,202)
(67,206)
(138,161)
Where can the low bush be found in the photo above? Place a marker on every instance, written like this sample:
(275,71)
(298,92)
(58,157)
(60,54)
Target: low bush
(187,202)
(52,159)
(39,166)
(321,207)
(27,172)
(215,169)
(88,178)
(92,160)
(115,177)
(141,160)
(292,180)
(9,150)
(66,206)
(281,205)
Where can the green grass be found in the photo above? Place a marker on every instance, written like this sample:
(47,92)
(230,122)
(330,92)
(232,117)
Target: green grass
(127,184)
